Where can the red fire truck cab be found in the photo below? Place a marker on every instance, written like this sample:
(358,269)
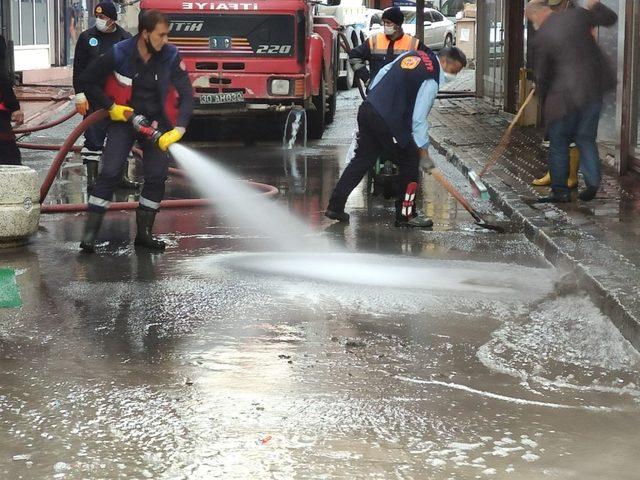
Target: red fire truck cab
(250,58)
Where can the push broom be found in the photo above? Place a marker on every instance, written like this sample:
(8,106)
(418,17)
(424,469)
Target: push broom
(438,175)
(475,178)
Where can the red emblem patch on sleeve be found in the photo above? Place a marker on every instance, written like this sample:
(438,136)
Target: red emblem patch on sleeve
(410,62)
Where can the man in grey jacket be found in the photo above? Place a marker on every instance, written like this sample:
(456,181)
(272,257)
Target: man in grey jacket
(572,76)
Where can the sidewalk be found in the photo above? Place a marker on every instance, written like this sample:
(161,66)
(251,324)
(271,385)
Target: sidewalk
(41,103)
(599,240)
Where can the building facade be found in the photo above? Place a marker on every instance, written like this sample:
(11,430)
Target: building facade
(44,32)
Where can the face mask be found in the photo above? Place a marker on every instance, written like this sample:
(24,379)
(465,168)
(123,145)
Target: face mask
(449,77)
(150,47)
(101,24)
(389,31)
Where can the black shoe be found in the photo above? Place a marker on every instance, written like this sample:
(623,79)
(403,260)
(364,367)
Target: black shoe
(588,194)
(339,216)
(91,229)
(555,198)
(145,217)
(418,221)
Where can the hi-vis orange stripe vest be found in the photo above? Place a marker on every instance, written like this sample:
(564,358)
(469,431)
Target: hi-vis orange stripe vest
(380,55)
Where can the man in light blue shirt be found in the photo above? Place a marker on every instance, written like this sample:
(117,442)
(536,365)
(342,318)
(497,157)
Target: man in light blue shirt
(393,119)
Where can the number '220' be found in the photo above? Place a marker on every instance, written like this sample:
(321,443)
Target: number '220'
(274,49)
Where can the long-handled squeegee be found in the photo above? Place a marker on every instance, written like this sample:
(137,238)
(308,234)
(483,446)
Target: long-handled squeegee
(437,174)
(475,178)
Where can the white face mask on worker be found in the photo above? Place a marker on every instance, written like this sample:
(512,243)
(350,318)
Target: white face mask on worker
(449,77)
(101,24)
(389,31)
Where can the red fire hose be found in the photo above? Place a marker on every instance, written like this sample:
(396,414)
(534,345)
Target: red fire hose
(68,145)
(268,191)
(47,147)
(45,126)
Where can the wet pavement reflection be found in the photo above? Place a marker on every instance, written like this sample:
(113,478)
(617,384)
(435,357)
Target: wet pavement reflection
(201,363)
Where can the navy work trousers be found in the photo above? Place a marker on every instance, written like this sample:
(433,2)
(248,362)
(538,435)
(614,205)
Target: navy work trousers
(120,138)
(375,138)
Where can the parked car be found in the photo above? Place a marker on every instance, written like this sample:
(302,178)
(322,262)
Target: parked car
(452,9)
(438,31)
(373,22)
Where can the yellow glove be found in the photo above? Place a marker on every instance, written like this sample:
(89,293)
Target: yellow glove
(118,112)
(171,137)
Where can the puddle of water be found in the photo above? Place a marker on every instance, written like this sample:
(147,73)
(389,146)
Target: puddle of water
(282,230)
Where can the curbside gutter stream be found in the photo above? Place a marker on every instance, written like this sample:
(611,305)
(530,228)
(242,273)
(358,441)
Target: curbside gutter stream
(610,280)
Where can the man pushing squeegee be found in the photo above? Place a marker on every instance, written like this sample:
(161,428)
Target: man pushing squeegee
(393,118)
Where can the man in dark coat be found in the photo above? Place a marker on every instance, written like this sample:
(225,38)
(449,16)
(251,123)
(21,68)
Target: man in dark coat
(572,76)
(383,48)
(92,43)
(9,111)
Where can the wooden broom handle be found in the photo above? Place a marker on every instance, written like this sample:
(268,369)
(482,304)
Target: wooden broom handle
(437,174)
(504,141)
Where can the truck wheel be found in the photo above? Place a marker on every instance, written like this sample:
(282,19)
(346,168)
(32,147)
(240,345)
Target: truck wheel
(448,41)
(332,100)
(345,80)
(316,117)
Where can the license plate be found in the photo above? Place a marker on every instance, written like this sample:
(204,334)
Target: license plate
(218,98)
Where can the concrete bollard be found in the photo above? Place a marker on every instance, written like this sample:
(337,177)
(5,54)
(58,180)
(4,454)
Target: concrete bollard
(19,204)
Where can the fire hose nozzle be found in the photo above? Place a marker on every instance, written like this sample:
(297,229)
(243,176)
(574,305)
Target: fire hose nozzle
(142,126)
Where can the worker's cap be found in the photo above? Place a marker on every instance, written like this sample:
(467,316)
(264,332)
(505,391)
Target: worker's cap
(107,9)
(394,15)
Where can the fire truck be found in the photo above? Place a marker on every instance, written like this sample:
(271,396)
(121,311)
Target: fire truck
(257,57)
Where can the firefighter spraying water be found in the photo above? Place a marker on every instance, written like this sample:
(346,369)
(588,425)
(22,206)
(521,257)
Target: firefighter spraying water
(150,100)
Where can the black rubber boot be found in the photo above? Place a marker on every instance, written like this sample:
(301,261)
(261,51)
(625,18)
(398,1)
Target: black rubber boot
(92,172)
(419,221)
(555,198)
(144,221)
(416,220)
(342,217)
(588,194)
(91,229)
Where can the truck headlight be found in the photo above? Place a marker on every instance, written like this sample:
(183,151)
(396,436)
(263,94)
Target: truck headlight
(280,86)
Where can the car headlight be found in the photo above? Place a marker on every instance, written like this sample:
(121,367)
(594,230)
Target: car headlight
(280,86)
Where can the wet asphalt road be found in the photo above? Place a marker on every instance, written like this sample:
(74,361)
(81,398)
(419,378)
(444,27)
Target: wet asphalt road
(450,353)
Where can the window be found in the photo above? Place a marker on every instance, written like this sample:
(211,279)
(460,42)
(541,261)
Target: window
(41,24)
(428,17)
(437,17)
(30,22)
(27,30)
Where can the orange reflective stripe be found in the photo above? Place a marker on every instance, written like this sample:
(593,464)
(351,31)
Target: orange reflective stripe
(404,44)
(380,44)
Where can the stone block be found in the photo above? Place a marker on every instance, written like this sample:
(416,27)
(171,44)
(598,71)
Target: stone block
(19,204)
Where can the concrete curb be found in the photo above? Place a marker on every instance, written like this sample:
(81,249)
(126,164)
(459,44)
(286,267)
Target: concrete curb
(556,237)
